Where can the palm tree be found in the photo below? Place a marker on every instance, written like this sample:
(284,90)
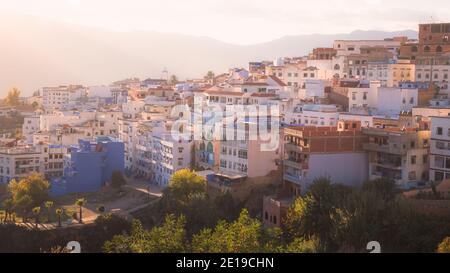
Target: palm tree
(48,206)
(80,203)
(8,204)
(59,212)
(36,212)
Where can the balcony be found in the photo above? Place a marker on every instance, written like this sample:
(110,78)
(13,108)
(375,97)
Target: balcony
(292,178)
(374,147)
(397,176)
(142,148)
(296,165)
(295,148)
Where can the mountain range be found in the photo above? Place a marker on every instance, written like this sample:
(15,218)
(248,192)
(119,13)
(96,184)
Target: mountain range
(36,53)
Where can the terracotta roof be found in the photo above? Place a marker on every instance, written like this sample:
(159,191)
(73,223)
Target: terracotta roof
(278,81)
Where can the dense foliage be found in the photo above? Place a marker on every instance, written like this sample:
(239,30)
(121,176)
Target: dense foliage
(329,218)
(91,237)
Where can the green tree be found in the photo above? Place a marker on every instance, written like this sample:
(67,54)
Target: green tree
(29,192)
(48,205)
(444,246)
(183,185)
(36,213)
(241,236)
(59,212)
(13,97)
(168,238)
(187,195)
(80,203)
(319,214)
(300,245)
(117,179)
(8,204)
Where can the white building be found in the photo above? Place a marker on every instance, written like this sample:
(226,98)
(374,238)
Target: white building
(440,149)
(168,156)
(382,100)
(439,76)
(19,162)
(101,91)
(347,47)
(314,115)
(391,74)
(30,126)
(313,89)
(58,97)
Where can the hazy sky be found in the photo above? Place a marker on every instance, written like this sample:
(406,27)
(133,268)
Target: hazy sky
(238,21)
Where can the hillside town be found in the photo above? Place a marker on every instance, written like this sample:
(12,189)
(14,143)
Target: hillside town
(355,111)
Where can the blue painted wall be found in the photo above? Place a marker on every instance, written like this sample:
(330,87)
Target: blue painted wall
(90,166)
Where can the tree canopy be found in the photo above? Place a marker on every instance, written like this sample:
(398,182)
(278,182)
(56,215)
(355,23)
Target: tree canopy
(13,97)
(31,191)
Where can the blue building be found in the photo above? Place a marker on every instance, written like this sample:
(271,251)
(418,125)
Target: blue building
(89,166)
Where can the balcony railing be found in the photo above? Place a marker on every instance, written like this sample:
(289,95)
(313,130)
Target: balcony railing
(292,178)
(296,148)
(296,165)
(374,147)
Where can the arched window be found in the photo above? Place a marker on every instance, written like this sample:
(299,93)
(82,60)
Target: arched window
(337,67)
(210,148)
(202,146)
(426,49)
(439,49)
(414,49)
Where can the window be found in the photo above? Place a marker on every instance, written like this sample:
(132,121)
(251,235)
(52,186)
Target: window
(266,215)
(412,175)
(438,176)
(425,159)
(413,159)
(439,161)
(223,163)
(439,131)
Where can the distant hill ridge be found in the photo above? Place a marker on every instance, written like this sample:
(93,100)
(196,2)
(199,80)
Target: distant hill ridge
(36,53)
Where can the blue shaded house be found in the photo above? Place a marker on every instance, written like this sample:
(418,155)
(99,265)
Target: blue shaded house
(89,166)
